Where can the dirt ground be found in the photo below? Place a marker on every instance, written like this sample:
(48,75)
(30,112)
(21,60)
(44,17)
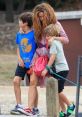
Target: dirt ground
(7,68)
(7,98)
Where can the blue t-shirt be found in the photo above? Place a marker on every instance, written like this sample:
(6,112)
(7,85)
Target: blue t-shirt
(27,46)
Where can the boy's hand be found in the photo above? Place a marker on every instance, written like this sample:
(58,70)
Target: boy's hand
(21,31)
(21,63)
(44,72)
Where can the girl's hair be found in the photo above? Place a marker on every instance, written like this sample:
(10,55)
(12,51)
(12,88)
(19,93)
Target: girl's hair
(27,17)
(49,18)
(52,30)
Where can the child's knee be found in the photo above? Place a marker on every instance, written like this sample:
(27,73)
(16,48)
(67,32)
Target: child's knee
(16,80)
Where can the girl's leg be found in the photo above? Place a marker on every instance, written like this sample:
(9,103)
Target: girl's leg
(33,93)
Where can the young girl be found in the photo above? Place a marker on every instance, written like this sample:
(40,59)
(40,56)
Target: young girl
(58,61)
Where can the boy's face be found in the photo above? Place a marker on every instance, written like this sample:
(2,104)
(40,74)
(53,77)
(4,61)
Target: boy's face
(22,25)
(49,39)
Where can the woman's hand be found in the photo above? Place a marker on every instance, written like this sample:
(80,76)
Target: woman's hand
(44,72)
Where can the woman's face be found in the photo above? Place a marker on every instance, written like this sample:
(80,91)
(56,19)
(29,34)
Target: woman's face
(41,16)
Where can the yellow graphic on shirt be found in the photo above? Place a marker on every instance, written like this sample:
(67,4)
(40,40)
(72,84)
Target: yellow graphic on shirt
(25,46)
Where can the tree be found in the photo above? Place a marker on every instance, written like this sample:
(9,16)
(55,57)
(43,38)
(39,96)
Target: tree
(9,10)
(21,6)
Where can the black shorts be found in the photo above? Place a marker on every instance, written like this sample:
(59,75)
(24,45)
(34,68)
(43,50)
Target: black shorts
(61,81)
(21,72)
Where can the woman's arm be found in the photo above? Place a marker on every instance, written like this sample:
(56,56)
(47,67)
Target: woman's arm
(63,36)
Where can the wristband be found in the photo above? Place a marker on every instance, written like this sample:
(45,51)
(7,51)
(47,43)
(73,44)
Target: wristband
(47,67)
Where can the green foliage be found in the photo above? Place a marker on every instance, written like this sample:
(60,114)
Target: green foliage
(2,5)
(57,4)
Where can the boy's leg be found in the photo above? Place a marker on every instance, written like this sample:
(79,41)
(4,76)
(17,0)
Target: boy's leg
(64,99)
(19,75)
(62,104)
(17,90)
(70,106)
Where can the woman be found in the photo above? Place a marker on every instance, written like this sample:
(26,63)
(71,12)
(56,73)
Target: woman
(43,16)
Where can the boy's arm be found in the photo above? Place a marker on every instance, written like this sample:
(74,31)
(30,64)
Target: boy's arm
(20,61)
(50,62)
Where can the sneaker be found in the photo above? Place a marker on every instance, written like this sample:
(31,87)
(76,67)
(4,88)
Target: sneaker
(16,109)
(27,111)
(70,109)
(36,111)
(62,114)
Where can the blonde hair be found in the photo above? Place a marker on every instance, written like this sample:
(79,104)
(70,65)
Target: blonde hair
(49,18)
(52,30)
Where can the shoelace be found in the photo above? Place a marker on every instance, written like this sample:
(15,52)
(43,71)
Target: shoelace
(28,110)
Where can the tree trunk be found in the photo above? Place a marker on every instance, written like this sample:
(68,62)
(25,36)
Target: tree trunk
(9,11)
(21,6)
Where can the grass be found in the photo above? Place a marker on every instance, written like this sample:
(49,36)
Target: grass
(7,68)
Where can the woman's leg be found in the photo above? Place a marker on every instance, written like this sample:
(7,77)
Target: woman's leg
(36,100)
(33,93)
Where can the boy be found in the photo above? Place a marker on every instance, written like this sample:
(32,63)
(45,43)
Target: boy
(25,51)
(58,61)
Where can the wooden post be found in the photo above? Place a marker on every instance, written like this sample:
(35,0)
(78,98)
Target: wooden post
(0,110)
(52,98)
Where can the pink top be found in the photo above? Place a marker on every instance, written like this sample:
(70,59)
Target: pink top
(41,50)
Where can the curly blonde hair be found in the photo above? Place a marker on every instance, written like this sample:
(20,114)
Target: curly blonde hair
(49,18)
(52,30)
